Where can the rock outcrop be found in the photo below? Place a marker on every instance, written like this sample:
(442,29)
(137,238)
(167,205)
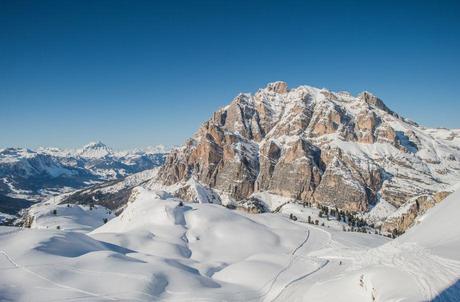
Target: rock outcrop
(405,217)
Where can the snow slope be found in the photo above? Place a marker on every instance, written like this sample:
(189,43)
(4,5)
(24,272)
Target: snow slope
(438,229)
(160,249)
(69,217)
(421,265)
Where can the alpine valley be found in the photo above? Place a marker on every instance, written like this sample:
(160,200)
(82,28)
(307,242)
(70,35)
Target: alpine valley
(299,194)
(28,176)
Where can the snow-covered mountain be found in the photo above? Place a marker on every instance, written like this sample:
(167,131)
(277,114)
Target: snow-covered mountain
(95,150)
(316,146)
(33,175)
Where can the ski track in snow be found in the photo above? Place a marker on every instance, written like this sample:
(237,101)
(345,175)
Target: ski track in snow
(418,264)
(291,261)
(300,278)
(15,264)
(269,283)
(326,262)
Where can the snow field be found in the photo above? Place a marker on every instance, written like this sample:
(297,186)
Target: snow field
(157,250)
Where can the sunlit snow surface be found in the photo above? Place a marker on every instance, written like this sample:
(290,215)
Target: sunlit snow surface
(157,250)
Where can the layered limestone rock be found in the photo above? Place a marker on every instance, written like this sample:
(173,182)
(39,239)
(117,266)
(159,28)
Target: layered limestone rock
(314,145)
(295,172)
(374,101)
(278,87)
(366,122)
(409,212)
(327,119)
(339,188)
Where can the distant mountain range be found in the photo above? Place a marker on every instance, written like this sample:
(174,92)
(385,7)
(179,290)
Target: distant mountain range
(28,176)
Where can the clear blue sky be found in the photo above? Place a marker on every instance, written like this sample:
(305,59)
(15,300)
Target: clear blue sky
(135,73)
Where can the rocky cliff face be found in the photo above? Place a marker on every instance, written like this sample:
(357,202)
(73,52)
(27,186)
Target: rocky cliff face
(317,146)
(406,215)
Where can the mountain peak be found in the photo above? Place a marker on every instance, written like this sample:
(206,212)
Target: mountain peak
(277,87)
(372,100)
(95,145)
(95,150)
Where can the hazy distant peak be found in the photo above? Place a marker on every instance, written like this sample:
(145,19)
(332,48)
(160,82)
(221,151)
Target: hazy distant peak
(95,150)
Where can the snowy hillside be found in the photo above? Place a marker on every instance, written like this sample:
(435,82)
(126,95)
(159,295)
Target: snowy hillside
(438,229)
(112,194)
(68,217)
(421,265)
(161,249)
